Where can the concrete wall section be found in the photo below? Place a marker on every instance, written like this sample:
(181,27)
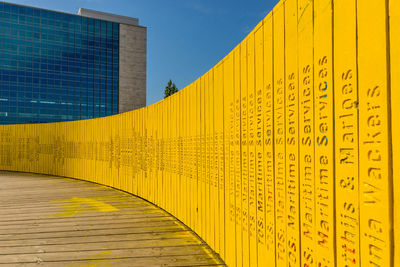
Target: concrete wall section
(132,67)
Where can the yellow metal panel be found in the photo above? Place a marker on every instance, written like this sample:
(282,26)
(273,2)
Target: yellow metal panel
(346,134)
(183,201)
(145,160)
(238,156)
(202,167)
(394,26)
(211,190)
(324,161)
(187,148)
(268,121)
(245,153)
(192,123)
(174,158)
(219,129)
(219,167)
(279,134)
(306,132)
(229,160)
(375,173)
(251,136)
(197,108)
(292,135)
(134,154)
(259,99)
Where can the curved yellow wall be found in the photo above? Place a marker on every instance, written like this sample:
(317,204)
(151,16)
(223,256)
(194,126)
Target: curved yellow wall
(280,155)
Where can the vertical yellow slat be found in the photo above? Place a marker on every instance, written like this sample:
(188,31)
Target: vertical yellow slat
(346,133)
(259,145)
(155,153)
(134,153)
(305,31)
(138,153)
(292,135)
(375,174)
(174,158)
(183,197)
(245,158)
(142,154)
(219,150)
(182,158)
(123,152)
(145,177)
(279,134)
(268,117)
(187,149)
(251,136)
(116,140)
(213,183)
(229,160)
(192,122)
(324,161)
(131,137)
(128,151)
(148,118)
(202,168)
(145,160)
(238,156)
(164,131)
(268,103)
(146,135)
(394,26)
(211,192)
(196,100)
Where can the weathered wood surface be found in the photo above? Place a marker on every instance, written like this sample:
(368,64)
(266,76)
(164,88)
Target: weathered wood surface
(55,221)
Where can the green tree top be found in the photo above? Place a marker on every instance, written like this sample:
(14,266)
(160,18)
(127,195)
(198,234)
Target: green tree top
(170,89)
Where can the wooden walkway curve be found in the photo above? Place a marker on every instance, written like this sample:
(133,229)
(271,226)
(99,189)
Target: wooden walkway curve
(56,221)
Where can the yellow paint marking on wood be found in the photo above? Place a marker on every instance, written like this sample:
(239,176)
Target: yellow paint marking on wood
(82,205)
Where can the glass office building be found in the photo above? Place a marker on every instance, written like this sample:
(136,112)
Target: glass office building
(56,66)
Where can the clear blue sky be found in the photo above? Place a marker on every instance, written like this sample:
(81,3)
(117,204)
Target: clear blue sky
(185,38)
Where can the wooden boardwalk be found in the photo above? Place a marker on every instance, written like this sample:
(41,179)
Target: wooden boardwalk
(55,221)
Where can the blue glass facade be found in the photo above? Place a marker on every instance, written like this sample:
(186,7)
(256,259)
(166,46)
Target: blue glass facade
(56,66)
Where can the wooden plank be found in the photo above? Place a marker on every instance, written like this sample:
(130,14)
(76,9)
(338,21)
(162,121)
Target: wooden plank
(116,226)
